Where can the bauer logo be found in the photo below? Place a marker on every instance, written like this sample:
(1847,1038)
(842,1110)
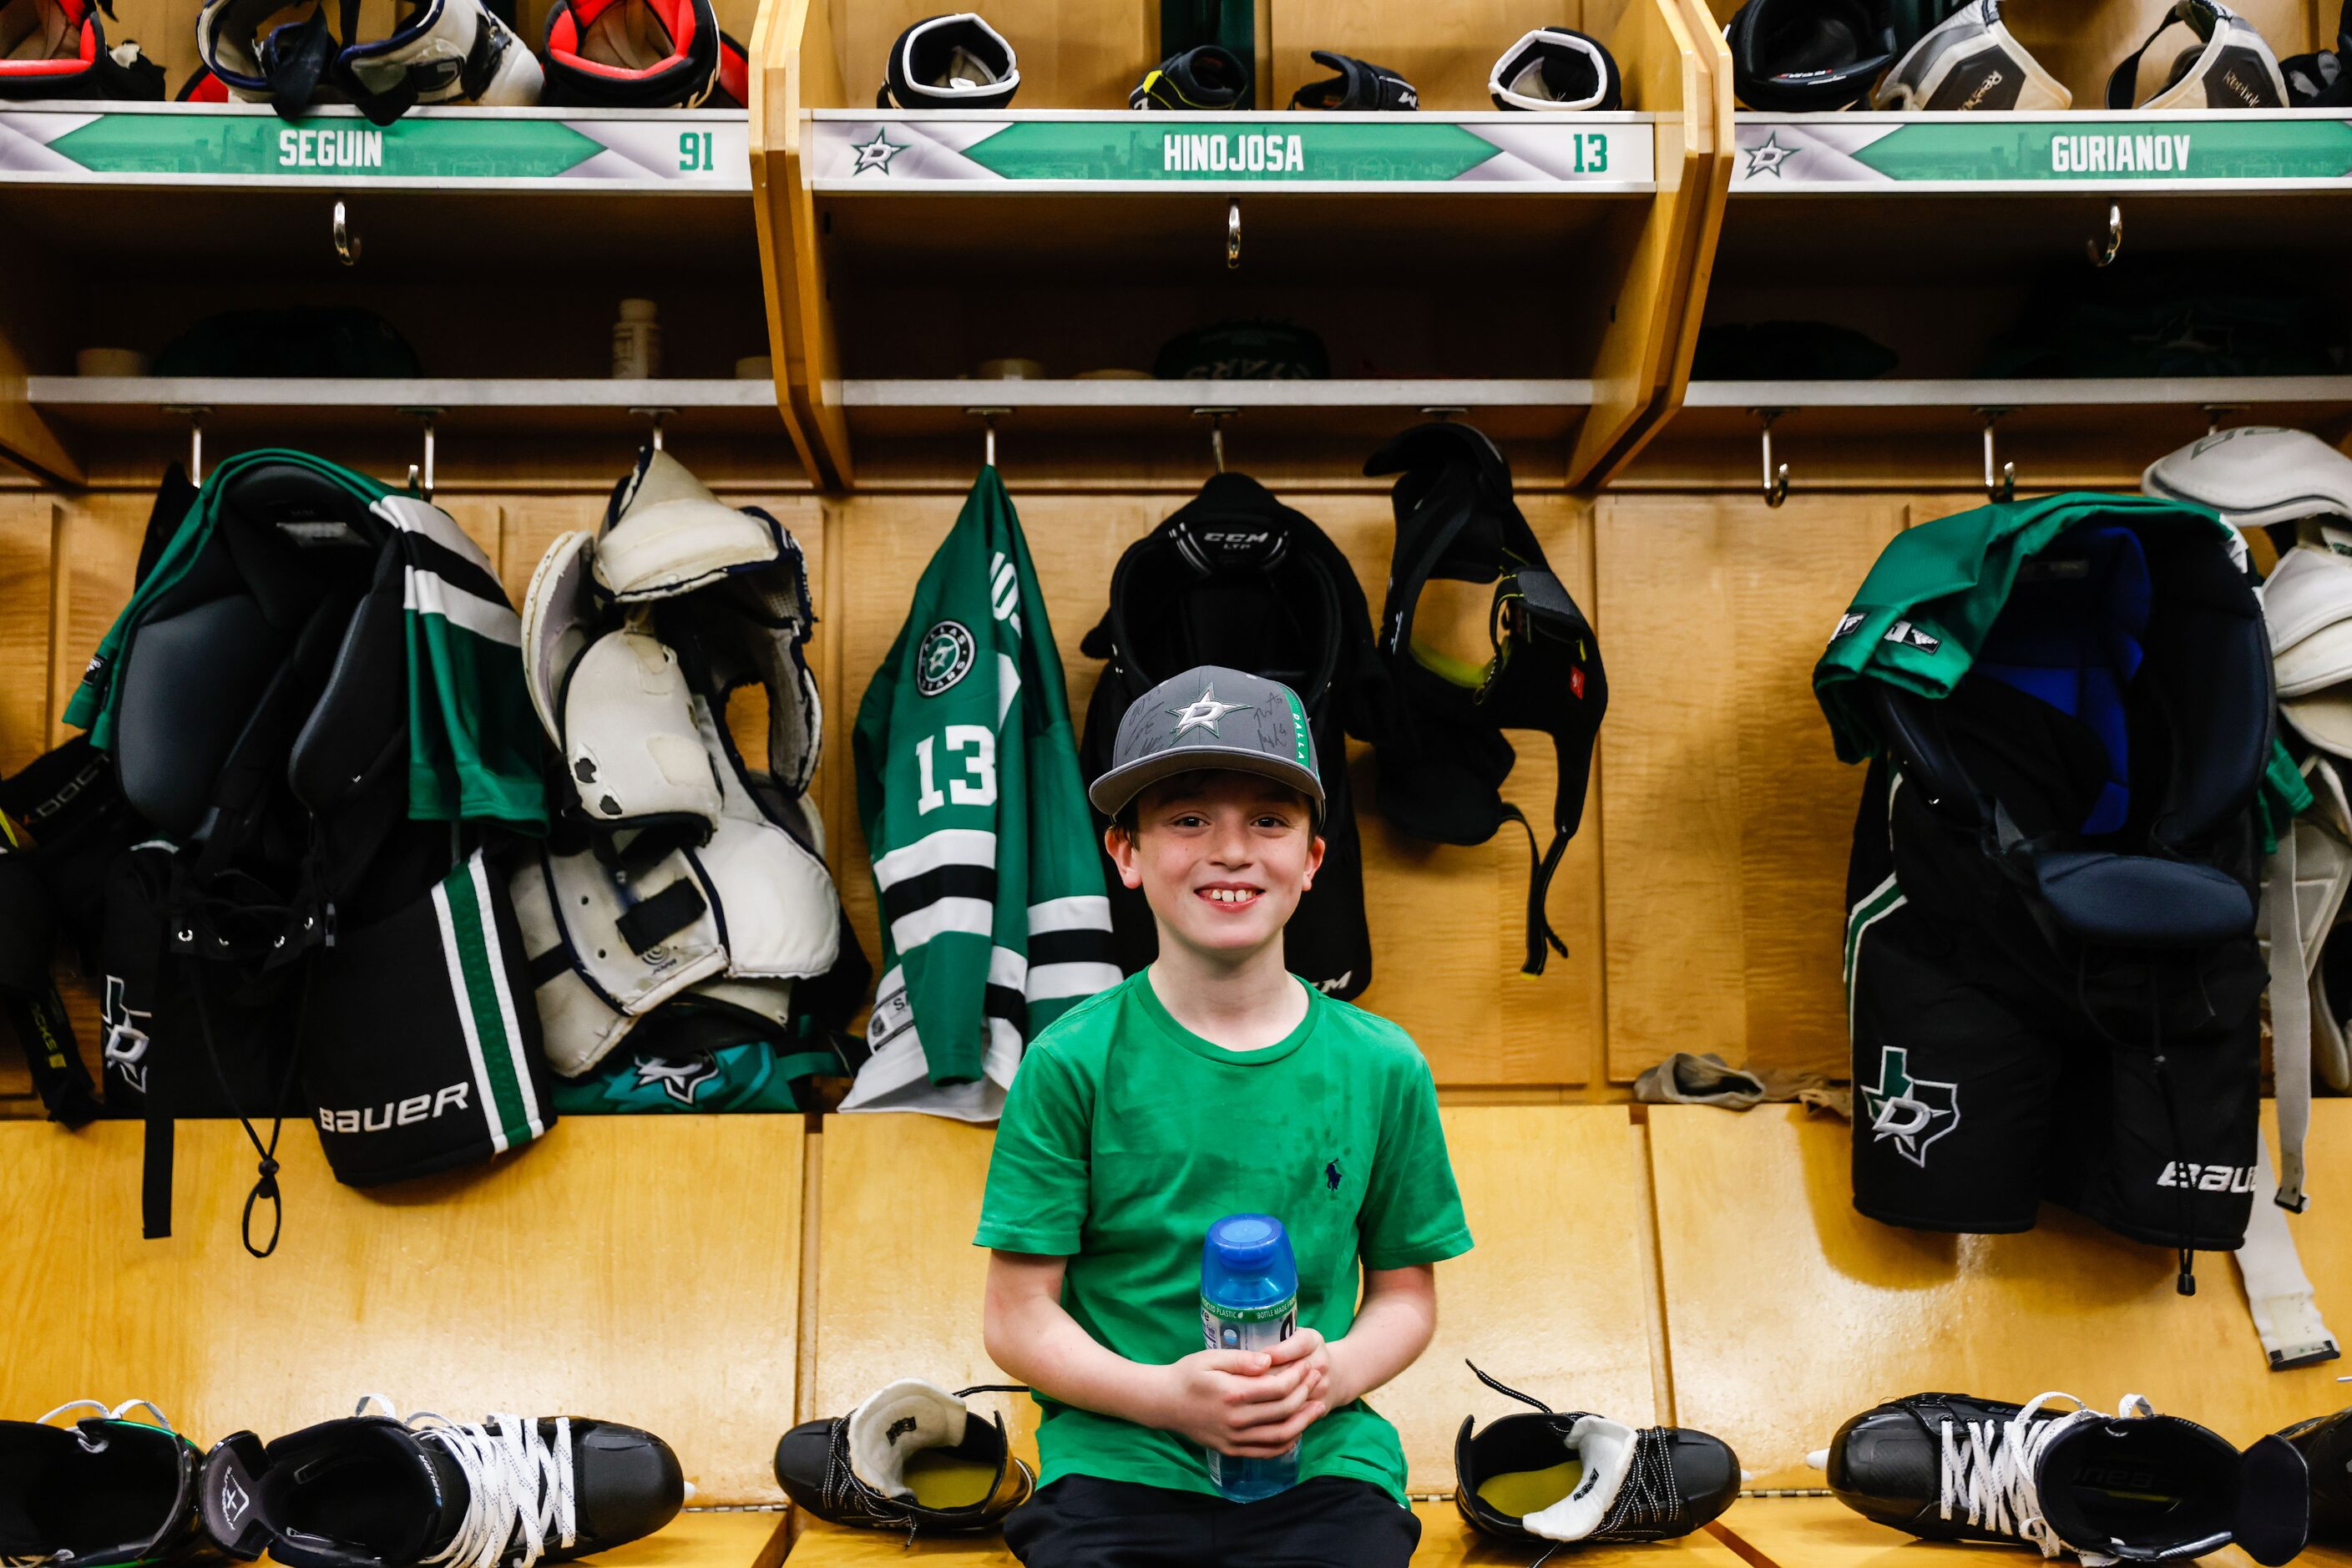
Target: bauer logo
(396,1114)
(233,1502)
(1848,623)
(2208,1178)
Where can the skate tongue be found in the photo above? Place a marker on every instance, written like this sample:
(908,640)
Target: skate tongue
(1606,1447)
(896,1423)
(454,1493)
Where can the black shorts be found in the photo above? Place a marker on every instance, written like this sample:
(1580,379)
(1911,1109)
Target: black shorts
(1995,1067)
(1082,1521)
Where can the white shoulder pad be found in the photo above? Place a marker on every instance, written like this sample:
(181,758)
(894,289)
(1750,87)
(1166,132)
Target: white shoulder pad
(629,736)
(669,535)
(559,617)
(2255,474)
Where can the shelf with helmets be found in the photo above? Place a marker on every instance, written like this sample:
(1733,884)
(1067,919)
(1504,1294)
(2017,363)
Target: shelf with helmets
(908,247)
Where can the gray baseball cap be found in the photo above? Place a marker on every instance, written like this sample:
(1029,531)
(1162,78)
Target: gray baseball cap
(1211,718)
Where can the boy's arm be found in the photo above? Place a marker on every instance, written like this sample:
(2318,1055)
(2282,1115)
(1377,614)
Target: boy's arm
(1225,1400)
(1394,1324)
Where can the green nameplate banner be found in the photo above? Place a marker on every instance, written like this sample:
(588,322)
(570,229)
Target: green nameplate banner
(247,145)
(850,151)
(1974,152)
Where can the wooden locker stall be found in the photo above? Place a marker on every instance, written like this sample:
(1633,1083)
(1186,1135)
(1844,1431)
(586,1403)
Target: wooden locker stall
(1935,237)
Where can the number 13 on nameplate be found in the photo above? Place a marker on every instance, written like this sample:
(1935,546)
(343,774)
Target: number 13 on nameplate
(971,749)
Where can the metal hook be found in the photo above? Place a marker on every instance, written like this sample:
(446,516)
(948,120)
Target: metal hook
(2000,487)
(347,244)
(2213,412)
(987,419)
(2103,253)
(656,414)
(195,413)
(1232,234)
(1444,412)
(1216,418)
(1776,480)
(420,478)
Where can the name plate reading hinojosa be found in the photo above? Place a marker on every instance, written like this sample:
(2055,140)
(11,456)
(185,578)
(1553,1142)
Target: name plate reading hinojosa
(852,152)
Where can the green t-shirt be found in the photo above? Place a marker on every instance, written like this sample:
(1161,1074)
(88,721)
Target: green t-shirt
(1126,1135)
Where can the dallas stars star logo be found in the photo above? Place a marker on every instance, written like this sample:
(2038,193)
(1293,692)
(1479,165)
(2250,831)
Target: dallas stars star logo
(875,154)
(681,1079)
(1767,156)
(1204,712)
(1913,1111)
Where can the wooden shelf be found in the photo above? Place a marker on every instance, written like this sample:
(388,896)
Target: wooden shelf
(303,406)
(1862,434)
(1081,426)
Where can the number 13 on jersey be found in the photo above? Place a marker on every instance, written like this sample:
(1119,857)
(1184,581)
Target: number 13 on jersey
(971,763)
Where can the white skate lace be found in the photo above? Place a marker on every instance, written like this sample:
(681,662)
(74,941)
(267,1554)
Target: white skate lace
(99,1408)
(520,1500)
(1989,1470)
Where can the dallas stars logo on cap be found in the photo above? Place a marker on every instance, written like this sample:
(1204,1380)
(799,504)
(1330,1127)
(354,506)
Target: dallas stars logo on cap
(1205,710)
(1913,1111)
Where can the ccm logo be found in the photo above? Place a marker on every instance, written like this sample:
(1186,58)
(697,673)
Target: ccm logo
(378,1118)
(2208,1178)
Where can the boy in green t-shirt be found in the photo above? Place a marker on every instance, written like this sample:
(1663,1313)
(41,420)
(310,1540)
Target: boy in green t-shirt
(1214,1082)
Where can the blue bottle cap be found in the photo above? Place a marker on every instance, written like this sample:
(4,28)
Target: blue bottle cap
(1246,1240)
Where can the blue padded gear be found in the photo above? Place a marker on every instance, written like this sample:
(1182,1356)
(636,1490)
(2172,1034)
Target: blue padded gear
(2071,636)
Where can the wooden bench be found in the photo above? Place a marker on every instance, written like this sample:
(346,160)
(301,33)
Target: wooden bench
(1787,1312)
(1555,1299)
(644,1270)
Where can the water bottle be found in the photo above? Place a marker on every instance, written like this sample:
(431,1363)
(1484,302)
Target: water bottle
(1249,1301)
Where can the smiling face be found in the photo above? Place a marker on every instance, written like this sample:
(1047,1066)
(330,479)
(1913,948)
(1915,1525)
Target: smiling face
(1221,859)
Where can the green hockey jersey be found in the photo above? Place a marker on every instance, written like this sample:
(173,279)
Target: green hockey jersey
(994,920)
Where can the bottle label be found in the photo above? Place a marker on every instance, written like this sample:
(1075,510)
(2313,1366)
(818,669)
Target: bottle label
(1247,1328)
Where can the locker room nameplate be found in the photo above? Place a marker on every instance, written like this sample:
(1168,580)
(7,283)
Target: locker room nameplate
(850,152)
(2251,150)
(249,144)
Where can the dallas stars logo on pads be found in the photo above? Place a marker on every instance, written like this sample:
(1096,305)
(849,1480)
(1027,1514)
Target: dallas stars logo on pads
(1204,712)
(681,1078)
(1913,1111)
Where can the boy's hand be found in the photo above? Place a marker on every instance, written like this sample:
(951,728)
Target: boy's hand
(1306,1348)
(1243,1402)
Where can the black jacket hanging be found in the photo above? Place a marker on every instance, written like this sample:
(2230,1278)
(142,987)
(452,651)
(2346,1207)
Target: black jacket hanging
(1235,577)
(1442,768)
